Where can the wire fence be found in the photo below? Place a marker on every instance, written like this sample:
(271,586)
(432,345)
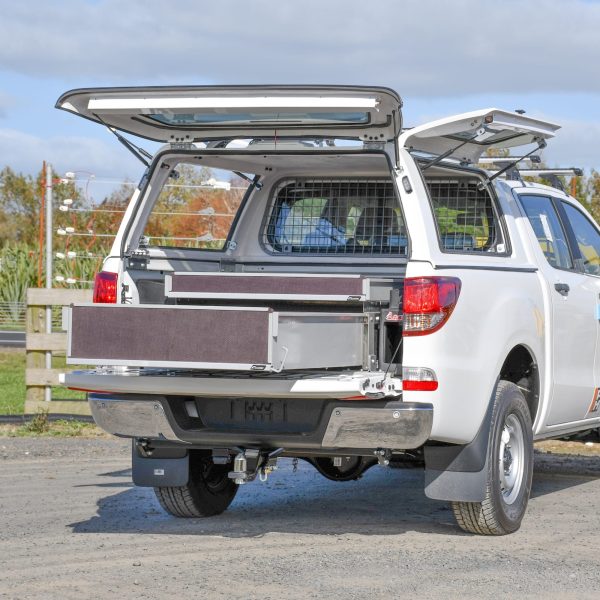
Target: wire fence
(13,316)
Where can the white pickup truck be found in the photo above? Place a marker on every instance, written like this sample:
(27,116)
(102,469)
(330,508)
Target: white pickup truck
(348,292)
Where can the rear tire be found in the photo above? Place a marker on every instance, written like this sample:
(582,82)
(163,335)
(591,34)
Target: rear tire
(208,492)
(509,468)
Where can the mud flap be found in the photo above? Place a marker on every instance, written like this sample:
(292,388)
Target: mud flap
(459,473)
(455,486)
(160,472)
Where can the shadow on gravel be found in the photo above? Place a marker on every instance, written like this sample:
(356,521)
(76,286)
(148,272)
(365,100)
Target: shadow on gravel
(115,484)
(383,502)
(112,484)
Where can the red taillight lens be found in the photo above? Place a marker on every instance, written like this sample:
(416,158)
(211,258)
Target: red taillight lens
(105,288)
(417,386)
(428,302)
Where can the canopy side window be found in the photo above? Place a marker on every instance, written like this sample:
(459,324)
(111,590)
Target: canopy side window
(466,218)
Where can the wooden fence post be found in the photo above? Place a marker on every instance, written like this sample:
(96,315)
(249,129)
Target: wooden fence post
(38,342)
(35,359)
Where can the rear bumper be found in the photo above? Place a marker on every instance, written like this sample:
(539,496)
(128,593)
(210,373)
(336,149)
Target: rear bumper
(144,418)
(393,425)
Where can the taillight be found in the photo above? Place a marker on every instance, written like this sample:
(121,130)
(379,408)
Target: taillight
(419,379)
(428,302)
(105,288)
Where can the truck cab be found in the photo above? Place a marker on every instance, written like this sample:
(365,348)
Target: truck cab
(298,275)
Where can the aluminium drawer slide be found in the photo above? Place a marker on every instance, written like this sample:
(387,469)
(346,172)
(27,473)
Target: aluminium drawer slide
(213,337)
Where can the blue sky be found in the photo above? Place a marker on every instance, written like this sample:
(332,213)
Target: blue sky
(442,57)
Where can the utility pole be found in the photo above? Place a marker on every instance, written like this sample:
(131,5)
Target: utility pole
(41,228)
(48,389)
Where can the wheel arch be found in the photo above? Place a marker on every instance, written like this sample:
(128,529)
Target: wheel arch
(521,368)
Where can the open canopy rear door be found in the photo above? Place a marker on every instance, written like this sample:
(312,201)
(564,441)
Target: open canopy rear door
(467,136)
(191,113)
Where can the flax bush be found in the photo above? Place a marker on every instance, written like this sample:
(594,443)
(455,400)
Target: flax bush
(18,271)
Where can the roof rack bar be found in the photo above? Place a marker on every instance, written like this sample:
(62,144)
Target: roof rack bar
(566,171)
(552,176)
(536,159)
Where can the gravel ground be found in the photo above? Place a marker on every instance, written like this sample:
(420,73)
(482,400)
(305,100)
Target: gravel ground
(72,526)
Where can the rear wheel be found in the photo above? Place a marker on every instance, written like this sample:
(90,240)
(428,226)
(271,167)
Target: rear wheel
(208,492)
(509,468)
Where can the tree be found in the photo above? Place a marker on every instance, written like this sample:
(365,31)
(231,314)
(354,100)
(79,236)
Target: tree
(189,212)
(20,204)
(592,197)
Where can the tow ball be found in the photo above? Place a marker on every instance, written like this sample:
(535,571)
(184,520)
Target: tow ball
(383,456)
(250,463)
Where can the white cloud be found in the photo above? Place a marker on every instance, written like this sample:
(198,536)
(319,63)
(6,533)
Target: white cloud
(25,153)
(420,47)
(575,145)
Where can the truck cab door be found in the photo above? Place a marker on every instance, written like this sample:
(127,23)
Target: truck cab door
(573,300)
(587,241)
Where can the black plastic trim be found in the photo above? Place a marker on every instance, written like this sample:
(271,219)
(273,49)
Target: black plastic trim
(488,268)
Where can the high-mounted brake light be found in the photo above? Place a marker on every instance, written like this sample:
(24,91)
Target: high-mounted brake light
(428,302)
(105,288)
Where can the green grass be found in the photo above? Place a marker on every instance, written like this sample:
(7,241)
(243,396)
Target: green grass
(41,427)
(12,382)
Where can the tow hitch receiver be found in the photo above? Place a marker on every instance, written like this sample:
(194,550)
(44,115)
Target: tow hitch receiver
(383,456)
(249,463)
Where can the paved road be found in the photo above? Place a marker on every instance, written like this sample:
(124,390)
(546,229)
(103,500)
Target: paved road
(12,339)
(72,526)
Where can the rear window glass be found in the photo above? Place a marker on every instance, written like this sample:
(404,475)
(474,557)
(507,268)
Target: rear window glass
(288,118)
(465,217)
(336,216)
(195,210)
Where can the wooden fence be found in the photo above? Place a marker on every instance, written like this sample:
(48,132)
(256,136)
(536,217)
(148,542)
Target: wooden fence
(39,343)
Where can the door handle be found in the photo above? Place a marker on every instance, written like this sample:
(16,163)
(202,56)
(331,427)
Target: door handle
(562,288)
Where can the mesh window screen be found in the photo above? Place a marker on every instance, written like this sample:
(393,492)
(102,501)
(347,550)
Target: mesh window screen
(335,216)
(465,216)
